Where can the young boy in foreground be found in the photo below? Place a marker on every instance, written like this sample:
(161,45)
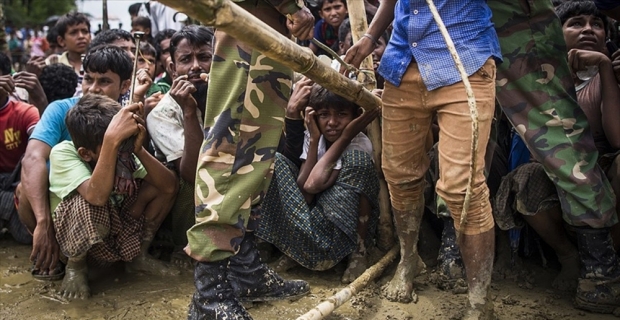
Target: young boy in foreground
(91,219)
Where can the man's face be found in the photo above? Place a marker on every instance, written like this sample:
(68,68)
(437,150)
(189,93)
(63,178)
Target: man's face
(76,39)
(192,61)
(126,45)
(165,52)
(108,84)
(585,32)
(333,13)
(146,61)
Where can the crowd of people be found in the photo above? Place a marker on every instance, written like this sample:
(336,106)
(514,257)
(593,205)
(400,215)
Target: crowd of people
(221,147)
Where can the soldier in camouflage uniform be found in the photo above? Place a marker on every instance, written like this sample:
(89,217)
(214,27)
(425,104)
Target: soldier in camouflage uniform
(247,96)
(537,94)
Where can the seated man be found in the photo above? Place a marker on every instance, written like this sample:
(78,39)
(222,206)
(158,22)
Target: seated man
(92,218)
(528,193)
(326,210)
(107,72)
(175,124)
(17,121)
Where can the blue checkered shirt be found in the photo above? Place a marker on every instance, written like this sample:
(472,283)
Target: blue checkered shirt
(416,38)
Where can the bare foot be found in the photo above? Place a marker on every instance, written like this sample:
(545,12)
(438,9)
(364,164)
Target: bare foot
(400,288)
(357,265)
(152,266)
(566,280)
(75,283)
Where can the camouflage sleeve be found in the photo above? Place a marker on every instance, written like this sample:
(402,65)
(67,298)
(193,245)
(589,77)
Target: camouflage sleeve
(286,6)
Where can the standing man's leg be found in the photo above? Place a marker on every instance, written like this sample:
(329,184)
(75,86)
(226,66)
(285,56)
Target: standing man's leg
(244,116)
(477,241)
(536,92)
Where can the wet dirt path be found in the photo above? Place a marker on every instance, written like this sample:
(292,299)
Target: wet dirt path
(117,295)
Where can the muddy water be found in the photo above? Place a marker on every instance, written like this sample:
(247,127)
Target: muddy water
(117,295)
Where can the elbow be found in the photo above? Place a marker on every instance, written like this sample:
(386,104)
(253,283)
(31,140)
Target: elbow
(312,188)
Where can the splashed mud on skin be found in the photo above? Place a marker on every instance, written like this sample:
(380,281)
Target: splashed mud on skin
(118,295)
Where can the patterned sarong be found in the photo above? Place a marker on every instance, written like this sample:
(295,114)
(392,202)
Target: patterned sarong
(321,234)
(108,233)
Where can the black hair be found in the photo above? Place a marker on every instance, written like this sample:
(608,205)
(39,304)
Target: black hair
(109,36)
(5,64)
(108,57)
(195,35)
(141,21)
(320,3)
(88,120)
(134,9)
(52,36)
(321,98)
(569,9)
(71,19)
(344,29)
(161,36)
(148,49)
(58,81)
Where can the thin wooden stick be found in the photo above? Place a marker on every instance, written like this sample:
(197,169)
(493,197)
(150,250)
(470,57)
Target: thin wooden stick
(471,101)
(359,25)
(235,21)
(330,304)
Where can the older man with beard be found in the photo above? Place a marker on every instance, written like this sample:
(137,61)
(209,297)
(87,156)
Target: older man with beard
(179,116)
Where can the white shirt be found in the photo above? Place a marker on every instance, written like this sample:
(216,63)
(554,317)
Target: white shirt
(360,142)
(167,130)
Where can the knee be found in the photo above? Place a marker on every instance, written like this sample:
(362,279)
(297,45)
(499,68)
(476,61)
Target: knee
(405,195)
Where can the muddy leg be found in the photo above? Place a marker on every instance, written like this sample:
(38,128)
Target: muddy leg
(549,227)
(155,206)
(357,260)
(75,283)
(400,288)
(478,252)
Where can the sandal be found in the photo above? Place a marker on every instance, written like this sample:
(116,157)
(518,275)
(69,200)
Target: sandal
(57,274)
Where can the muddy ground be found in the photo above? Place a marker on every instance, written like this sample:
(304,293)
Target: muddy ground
(117,295)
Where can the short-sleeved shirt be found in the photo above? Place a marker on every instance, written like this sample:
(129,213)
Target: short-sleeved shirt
(68,171)
(51,129)
(167,130)
(360,142)
(16,120)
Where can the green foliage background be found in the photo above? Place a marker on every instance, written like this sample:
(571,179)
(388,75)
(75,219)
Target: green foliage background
(20,13)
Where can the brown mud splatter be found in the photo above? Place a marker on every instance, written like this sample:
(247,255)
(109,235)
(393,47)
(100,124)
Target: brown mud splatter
(118,295)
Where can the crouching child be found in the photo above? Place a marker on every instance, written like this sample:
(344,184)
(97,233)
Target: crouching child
(94,223)
(327,210)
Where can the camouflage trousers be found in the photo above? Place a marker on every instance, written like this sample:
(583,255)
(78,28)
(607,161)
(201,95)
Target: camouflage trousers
(536,92)
(244,116)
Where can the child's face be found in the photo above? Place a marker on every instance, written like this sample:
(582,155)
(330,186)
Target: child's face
(585,32)
(134,28)
(76,39)
(346,44)
(331,122)
(108,84)
(146,61)
(333,13)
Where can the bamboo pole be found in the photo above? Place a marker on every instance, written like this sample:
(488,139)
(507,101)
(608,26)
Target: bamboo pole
(330,304)
(106,25)
(359,25)
(235,21)
(473,110)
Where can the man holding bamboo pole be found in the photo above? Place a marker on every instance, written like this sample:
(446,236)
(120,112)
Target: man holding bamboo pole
(421,79)
(247,96)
